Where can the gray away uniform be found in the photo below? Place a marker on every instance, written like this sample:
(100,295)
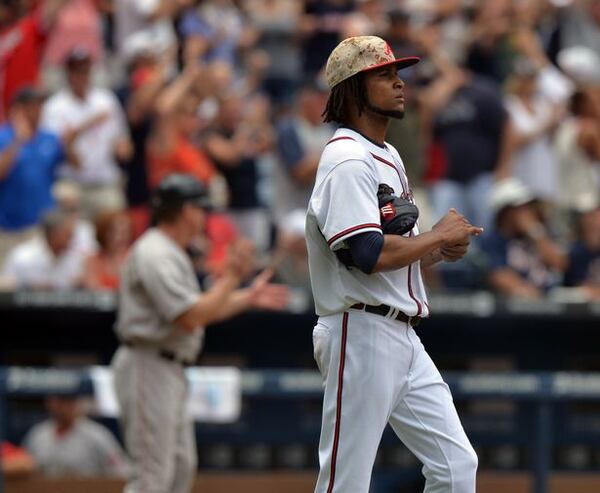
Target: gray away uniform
(87,449)
(158,284)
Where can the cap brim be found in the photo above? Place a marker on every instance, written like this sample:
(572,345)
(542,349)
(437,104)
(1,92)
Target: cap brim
(400,62)
(497,208)
(203,202)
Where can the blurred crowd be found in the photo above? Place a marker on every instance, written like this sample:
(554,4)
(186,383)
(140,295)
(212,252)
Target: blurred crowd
(101,99)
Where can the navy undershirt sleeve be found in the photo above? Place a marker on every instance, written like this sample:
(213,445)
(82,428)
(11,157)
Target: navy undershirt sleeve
(365,249)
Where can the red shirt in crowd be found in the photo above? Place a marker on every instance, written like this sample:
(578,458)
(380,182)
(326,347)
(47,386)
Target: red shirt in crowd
(21,50)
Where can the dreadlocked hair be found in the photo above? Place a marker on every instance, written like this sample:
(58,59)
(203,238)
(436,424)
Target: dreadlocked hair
(349,91)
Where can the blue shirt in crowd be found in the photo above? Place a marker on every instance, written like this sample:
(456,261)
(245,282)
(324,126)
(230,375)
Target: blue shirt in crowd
(26,191)
(520,256)
(469,128)
(584,266)
(222,48)
(289,145)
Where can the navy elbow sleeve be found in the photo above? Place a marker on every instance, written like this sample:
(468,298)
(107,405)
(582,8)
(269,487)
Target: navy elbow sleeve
(365,249)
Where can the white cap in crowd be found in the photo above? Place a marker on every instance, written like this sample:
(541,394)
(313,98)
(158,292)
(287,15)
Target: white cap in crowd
(580,63)
(509,192)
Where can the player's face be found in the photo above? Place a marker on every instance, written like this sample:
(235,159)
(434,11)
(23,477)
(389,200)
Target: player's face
(385,92)
(195,217)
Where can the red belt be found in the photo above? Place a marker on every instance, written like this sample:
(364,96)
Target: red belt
(385,310)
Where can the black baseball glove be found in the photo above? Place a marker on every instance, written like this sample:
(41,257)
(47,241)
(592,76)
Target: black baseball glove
(398,216)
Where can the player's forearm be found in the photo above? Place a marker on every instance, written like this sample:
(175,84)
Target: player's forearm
(431,259)
(206,310)
(238,302)
(399,251)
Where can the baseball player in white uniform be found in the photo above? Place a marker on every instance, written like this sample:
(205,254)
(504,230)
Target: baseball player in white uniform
(161,318)
(368,289)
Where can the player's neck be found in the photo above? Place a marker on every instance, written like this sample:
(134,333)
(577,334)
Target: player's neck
(177,233)
(372,126)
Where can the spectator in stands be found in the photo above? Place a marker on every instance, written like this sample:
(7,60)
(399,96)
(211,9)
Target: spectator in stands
(300,141)
(149,72)
(214,30)
(490,31)
(70,444)
(152,17)
(290,255)
(577,147)
(46,262)
(100,118)
(580,25)
(534,119)
(277,24)
(16,461)
(368,19)
(235,146)
(22,40)
(584,257)
(29,158)
(523,260)
(320,26)
(77,25)
(68,199)
(465,116)
(171,147)
(102,269)
(407,134)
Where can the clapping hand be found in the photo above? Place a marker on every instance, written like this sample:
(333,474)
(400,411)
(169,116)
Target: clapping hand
(265,295)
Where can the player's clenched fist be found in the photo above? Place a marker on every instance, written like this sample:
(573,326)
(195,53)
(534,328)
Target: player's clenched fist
(455,230)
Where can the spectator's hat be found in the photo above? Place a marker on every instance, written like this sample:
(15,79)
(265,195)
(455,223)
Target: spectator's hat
(140,45)
(178,189)
(509,192)
(361,54)
(77,56)
(581,63)
(28,94)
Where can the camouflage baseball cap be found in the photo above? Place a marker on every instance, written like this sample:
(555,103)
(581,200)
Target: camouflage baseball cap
(359,54)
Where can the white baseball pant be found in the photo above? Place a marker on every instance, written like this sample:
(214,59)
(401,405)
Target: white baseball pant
(158,432)
(376,371)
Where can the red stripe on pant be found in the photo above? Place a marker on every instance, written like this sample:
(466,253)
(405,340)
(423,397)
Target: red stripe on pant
(338,412)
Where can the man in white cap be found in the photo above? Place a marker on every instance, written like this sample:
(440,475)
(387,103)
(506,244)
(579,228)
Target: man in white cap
(523,259)
(365,258)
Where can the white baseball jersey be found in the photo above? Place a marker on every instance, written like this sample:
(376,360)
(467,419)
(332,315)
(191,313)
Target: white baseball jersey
(344,203)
